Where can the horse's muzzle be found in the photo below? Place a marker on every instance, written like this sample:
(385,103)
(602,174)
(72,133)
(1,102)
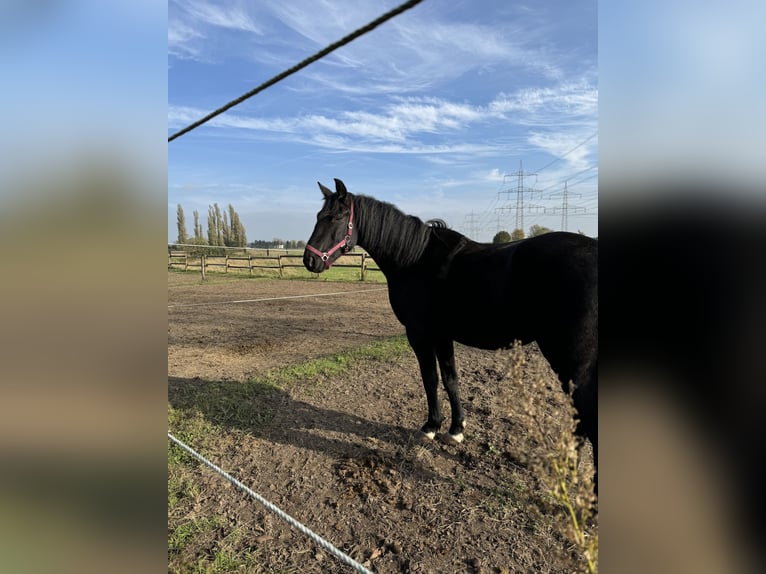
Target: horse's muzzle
(313,262)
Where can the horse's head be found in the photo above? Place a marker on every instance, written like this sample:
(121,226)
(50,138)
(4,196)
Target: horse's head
(333,233)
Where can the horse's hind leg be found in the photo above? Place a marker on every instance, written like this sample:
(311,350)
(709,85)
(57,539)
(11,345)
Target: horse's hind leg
(425,352)
(445,353)
(585,399)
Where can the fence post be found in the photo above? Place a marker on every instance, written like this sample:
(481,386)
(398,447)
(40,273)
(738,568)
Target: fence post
(202,265)
(186,261)
(363,265)
(226,268)
(250,264)
(279,264)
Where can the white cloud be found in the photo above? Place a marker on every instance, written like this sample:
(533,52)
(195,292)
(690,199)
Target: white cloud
(574,100)
(557,118)
(233,16)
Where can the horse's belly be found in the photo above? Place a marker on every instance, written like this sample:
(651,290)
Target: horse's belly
(487,333)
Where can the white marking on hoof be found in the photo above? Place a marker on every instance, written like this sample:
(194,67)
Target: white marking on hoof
(452,438)
(426,436)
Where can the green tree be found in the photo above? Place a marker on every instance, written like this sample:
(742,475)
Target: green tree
(517,234)
(181,224)
(218,225)
(238,235)
(227,239)
(501,237)
(236,231)
(538,230)
(197,228)
(212,226)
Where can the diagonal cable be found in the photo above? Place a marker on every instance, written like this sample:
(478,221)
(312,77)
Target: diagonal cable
(310,60)
(342,556)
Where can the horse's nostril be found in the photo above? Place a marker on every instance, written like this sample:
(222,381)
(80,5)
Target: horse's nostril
(310,262)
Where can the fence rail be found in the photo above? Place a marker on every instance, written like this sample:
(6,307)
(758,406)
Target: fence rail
(268,259)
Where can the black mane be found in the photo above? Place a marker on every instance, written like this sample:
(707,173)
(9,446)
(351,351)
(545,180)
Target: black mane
(376,219)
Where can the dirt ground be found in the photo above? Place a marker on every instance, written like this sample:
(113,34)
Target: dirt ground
(340,454)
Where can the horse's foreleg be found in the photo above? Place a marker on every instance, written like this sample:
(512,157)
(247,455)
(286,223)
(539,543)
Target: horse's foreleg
(425,353)
(445,353)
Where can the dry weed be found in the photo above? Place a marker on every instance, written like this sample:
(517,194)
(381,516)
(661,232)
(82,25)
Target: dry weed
(551,450)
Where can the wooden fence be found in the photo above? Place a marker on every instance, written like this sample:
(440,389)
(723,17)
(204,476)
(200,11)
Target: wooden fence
(273,259)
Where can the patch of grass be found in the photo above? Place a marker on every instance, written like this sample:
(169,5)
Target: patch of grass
(180,488)
(225,556)
(223,561)
(505,498)
(196,405)
(180,534)
(333,365)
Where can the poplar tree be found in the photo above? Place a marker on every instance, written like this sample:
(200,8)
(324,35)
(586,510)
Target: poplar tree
(197,228)
(181,224)
(212,229)
(218,225)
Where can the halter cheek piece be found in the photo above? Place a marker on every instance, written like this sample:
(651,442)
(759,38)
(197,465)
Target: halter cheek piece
(342,245)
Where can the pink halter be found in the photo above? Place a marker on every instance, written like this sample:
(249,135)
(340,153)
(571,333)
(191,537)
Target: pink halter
(343,244)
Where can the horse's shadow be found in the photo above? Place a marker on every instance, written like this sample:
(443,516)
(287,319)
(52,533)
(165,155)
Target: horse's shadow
(270,413)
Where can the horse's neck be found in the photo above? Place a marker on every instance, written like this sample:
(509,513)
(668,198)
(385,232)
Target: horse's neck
(393,239)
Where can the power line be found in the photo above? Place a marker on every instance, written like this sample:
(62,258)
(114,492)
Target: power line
(299,66)
(568,178)
(579,145)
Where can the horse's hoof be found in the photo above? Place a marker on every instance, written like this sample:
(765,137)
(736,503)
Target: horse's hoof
(425,436)
(448,438)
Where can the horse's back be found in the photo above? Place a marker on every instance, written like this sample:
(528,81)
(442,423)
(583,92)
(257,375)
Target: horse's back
(487,296)
(521,290)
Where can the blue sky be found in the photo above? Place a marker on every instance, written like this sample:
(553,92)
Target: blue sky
(433,111)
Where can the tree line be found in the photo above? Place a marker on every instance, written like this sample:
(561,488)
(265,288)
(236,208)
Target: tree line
(224,229)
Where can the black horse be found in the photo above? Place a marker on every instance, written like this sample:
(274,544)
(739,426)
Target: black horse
(443,287)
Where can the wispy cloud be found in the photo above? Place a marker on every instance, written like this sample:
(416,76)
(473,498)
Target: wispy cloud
(429,125)
(182,40)
(232,16)
(434,52)
(407,55)
(565,144)
(193,23)
(576,101)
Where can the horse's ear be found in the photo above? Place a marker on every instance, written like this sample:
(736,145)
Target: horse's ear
(340,187)
(325,191)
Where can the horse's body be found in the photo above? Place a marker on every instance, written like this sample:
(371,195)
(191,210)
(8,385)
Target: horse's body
(443,287)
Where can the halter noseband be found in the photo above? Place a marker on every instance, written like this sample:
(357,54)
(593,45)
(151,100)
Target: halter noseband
(343,244)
